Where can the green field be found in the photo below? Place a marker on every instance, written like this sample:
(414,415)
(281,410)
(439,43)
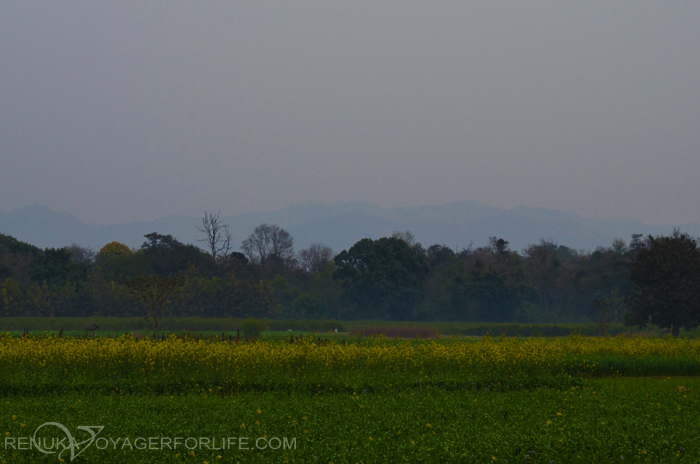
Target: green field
(623,420)
(370,400)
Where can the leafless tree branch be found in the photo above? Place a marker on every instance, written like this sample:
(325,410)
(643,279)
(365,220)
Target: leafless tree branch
(217,236)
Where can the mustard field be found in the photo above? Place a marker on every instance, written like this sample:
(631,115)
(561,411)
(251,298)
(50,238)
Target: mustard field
(544,400)
(32,366)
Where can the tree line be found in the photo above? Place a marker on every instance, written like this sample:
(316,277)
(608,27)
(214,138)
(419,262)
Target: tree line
(391,278)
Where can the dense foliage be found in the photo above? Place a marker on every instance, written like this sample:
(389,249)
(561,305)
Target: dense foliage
(391,278)
(667,276)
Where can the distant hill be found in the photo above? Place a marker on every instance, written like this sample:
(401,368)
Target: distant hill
(340,225)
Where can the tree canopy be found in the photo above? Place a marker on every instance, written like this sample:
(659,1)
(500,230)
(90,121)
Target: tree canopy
(113,249)
(382,277)
(666,274)
(270,246)
(389,278)
(155,292)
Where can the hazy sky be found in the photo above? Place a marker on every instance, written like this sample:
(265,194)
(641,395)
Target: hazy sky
(130,110)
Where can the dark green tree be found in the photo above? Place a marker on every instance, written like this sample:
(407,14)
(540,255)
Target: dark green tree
(543,265)
(52,266)
(16,258)
(329,290)
(295,303)
(155,292)
(384,277)
(439,255)
(167,256)
(666,274)
(11,244)
(497,301)
(122,267)
(484,295)
(5,272)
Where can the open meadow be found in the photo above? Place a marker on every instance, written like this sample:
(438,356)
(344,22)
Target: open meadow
(353,399)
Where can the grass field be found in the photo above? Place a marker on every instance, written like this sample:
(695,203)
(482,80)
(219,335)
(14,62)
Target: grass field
(372,399)
(201,324)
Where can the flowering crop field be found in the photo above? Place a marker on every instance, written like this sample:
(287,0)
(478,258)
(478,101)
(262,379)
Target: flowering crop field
(564,400)
(32,366)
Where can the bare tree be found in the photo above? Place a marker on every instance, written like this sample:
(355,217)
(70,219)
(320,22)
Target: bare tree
(407,236)
(410,239)
(257,246)
(268,242)
(282,243)
(315,258)
(217,236)
(80,254)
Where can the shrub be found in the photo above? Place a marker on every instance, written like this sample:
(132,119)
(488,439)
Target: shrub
(252,328)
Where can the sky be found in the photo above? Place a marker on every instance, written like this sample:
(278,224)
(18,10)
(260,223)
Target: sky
(133,110)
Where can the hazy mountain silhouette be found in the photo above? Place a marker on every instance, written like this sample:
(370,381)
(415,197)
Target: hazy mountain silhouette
(340,225)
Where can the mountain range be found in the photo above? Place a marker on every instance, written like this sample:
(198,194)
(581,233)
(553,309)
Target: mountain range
(340,225)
